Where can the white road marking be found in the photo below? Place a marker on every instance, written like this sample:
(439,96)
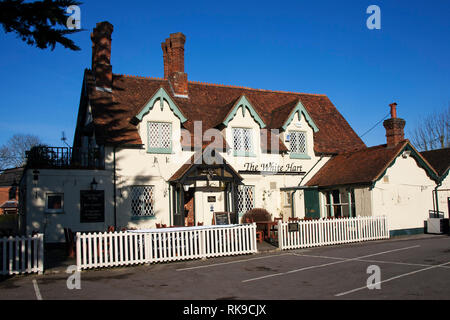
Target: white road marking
(327,264)
(373,261)
(36,290)
(231,262)
(393,278)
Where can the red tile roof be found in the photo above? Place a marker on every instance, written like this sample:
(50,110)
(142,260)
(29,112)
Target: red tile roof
(439,159)
(113,112)
(360,167)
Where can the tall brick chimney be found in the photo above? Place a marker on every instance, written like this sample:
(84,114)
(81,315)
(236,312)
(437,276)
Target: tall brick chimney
(101,54)
(173,55)
(394,127)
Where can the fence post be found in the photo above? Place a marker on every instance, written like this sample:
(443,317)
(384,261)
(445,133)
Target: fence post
(280,235)
(41,253)
(202,244)
(78,251)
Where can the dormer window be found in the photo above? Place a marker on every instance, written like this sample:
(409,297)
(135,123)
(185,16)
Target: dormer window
(242,142)
(297,142)
(159,137)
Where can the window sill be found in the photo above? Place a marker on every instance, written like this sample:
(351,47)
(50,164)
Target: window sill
(54,212)
(244,154)
(299,156)
(133,218)
(160,151)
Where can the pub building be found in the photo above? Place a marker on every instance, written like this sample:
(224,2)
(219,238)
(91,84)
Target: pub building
(171,151)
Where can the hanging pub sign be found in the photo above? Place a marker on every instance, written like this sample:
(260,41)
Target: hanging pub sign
(92,206)
(293,227)
(221,218)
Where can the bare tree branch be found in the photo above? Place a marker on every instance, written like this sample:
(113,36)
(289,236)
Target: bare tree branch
(433,131)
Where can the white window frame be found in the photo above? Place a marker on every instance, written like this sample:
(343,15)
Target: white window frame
(52,211)
(243,195)
(152,214)
(242,152)
(159,149)
(298,154)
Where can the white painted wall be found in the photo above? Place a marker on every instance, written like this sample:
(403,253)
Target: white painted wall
(444,196)
(406,197)
(69,183)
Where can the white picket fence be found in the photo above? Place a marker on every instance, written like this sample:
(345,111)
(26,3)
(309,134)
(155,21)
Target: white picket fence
(22,255)
(102,250)
(323,232)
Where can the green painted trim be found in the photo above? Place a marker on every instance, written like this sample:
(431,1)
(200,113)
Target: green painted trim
(161,95)
(159,151)
(244,154)
(442,178)
(299,156)
(134,218)
(244,103)
(406,232)
(300,108)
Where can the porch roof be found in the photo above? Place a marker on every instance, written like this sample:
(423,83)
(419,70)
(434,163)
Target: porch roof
(198,161)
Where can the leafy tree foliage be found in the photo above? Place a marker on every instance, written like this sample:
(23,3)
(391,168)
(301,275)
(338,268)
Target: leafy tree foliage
(40,23)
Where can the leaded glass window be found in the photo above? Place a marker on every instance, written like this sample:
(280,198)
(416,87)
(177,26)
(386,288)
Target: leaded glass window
(298,142)
(159,137)
(142,201)
(246,199)
(242,141)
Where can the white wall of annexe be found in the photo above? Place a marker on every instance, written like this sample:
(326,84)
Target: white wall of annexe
(404,195)
(444,197)
(68,183)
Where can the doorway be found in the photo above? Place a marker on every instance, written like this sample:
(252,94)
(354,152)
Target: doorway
(189,208)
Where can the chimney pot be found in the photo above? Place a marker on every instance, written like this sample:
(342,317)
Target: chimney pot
(393,110)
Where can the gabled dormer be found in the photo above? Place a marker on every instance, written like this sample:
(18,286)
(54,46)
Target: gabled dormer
(243,125)
(159,124)
(297,129)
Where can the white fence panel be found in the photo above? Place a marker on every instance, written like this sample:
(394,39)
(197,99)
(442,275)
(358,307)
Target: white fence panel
(19,255)
(314,233)
(100,250)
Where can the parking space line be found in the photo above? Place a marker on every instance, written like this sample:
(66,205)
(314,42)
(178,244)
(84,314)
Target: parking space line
(36,290)
(327,264)
(373,261)
(393,278)
(232,262)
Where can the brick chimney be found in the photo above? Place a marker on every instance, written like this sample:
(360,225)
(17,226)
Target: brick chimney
(173,54)
(394,127)
(101,54)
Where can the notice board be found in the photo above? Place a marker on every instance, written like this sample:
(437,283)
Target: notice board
(221,218)
(92,206)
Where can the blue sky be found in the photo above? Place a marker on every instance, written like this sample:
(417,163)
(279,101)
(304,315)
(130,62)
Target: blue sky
(304,46)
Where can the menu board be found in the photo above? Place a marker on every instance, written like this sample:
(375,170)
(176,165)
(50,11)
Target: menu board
(293,227)
(92,206)
(221,218)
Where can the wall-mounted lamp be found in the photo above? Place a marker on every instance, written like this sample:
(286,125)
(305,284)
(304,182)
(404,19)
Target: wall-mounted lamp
(94,184)
(35,177)
(186,187)
(406,154)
